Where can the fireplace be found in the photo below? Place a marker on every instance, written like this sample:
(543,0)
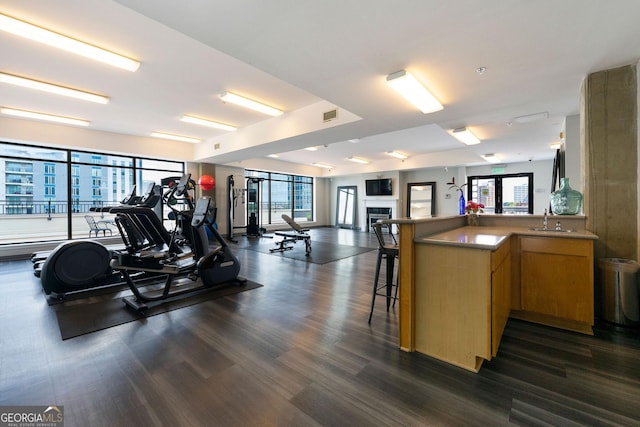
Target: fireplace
(374,214)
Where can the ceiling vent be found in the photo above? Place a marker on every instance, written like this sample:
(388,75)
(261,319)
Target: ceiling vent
(216,146)
(329,115)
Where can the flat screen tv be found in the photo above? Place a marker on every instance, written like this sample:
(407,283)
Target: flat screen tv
(378,187)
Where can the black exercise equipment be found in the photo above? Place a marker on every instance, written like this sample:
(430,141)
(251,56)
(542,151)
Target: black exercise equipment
(291,237)
(80,265)
(184,273)
(254,225)
(38,258)
(232,200)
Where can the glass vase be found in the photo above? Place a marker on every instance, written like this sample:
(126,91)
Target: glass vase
(566,200)
(462,204)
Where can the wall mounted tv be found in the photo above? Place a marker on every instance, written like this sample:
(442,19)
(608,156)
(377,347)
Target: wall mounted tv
(378,187)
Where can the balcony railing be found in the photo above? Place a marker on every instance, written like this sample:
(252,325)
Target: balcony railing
(48,207)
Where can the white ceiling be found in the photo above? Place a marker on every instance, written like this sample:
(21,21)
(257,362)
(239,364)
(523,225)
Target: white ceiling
(307,57)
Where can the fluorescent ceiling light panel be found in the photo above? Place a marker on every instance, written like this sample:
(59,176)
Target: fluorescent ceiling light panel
(273,156)
(25,114)
(51,88)
(41,35)
(555,145)
(397,154)
(413,91)
(206,122)
(311,148)
(250,104)
(322,165)
(491,158)
(465,136)
(358,160)
(173,137)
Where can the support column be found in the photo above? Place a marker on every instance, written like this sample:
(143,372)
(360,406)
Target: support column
(609,104)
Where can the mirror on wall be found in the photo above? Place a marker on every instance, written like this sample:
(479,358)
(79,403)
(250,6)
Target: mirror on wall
(421,199)
(346,206)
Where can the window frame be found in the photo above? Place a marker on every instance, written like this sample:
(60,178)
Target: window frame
(293,181)
(499,189)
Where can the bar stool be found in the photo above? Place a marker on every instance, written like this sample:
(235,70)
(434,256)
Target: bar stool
(389,252)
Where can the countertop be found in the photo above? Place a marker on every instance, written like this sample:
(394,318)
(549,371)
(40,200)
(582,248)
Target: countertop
(492,237)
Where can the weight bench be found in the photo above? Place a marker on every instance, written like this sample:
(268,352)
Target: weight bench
(292,237)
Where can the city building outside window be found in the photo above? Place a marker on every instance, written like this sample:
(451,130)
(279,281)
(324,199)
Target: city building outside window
(35,203)
(508,193)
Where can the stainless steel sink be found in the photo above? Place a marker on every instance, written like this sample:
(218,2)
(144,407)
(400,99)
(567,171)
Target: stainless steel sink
(551,229)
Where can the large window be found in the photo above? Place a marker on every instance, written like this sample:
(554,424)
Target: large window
(276,194)
(45,192)
(508,194)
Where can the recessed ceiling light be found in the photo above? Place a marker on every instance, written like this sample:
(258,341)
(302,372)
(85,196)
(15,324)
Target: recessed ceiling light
(174,137)
(206,122)
(413,91)
(44,36)
(311,148)
(358,160)
(465,136)
(250,104)
(481,70)
(51,88)
(25,114)
(322,165)
(555,145)
(273,156)
(397,154)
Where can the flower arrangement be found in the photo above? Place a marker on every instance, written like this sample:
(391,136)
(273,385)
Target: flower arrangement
(473,207)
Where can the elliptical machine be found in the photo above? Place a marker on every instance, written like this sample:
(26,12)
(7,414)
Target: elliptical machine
(84,264)
(185,271)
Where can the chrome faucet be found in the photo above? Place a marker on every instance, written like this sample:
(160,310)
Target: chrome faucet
(544,221)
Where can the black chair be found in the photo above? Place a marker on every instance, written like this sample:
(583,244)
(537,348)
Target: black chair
(389,252)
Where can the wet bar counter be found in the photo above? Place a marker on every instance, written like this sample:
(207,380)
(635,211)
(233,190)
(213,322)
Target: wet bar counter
(460,284)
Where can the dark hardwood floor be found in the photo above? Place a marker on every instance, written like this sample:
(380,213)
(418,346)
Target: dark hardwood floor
(299,352)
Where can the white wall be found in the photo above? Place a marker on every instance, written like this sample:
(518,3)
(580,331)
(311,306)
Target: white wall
(446,199)
(573,160)
(322,201)
(393,201)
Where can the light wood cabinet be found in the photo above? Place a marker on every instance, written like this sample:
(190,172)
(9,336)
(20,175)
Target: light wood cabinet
(556,282)
(500,293)
(462,302)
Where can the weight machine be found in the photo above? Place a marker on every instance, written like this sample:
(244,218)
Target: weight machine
(254,225)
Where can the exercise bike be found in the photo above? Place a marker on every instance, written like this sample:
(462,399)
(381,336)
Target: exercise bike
(185,273)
